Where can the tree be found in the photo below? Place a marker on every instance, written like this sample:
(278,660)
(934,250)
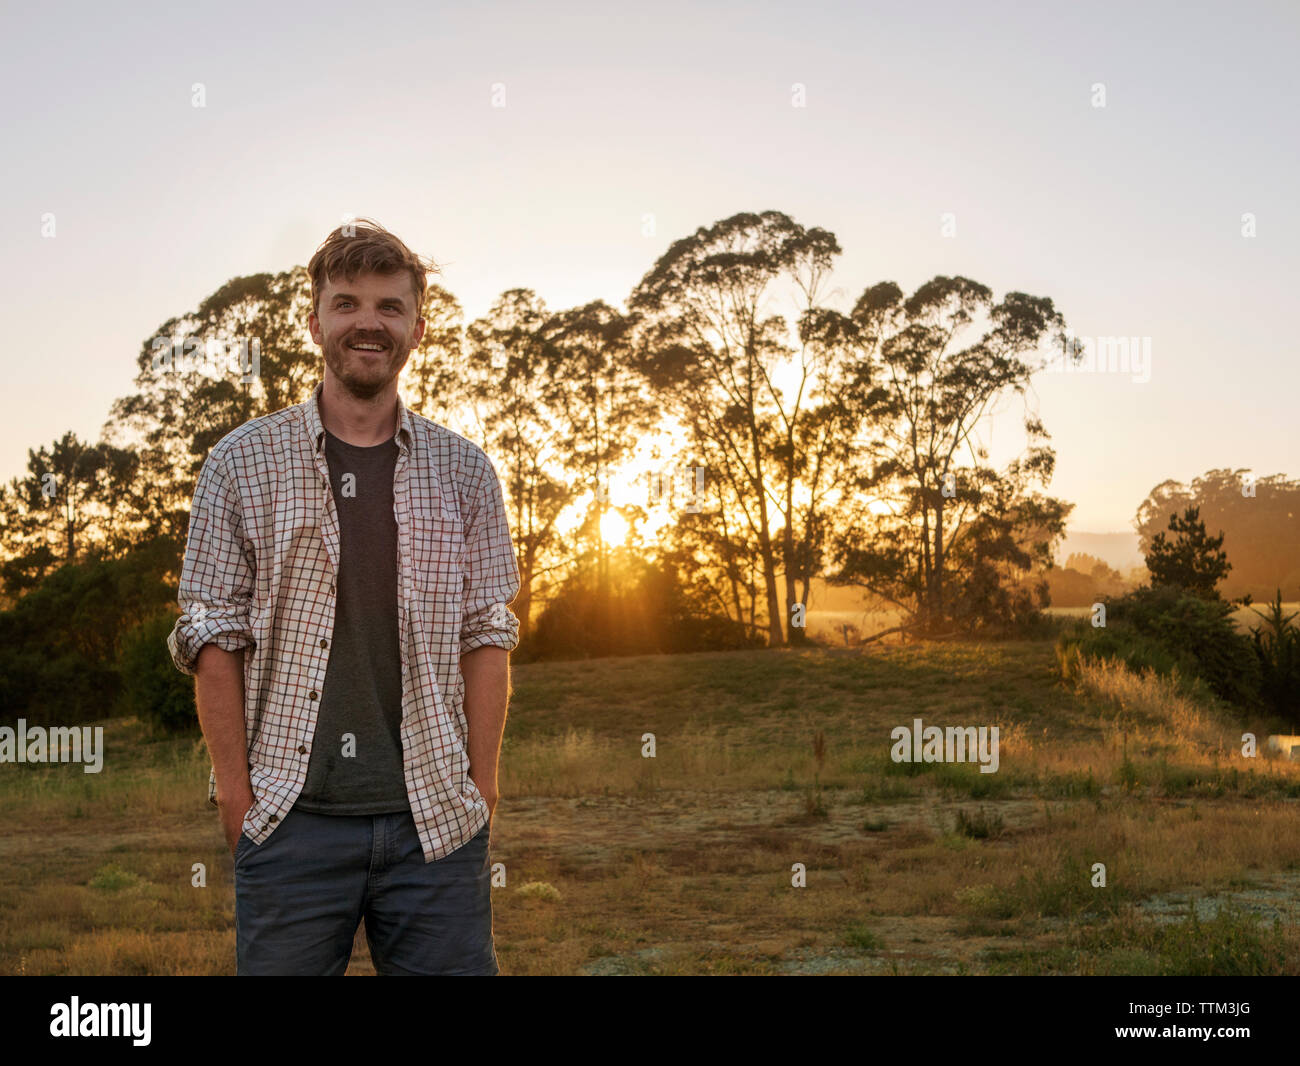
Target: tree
(1096,568)
(717,559)
(60,643)
(1190,558)
(729,375)
(1000,565)
(1277,650)
(506,383)
(928,509)
(433,381)
(68,506)
(1259,518)
(244,352)
(1084,580)
(601,405)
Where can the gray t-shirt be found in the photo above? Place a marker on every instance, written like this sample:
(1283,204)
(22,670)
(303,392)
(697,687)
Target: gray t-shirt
(363,681)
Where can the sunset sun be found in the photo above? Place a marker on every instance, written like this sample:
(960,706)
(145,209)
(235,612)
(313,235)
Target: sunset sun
(613,528)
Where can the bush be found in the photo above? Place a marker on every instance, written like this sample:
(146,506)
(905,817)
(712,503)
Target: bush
(979,826)
(1120,643)
(644,611)
(152,688)
(60,643)
(1197,629)
(52,686)
(1277,651)
(1169,628)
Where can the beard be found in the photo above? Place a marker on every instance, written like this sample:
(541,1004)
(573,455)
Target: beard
(364,374)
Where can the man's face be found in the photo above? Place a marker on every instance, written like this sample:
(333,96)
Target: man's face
(367,328)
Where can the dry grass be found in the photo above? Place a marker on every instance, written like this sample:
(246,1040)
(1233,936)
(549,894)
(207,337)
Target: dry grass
(684,863)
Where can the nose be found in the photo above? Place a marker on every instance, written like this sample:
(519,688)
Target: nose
(368,321)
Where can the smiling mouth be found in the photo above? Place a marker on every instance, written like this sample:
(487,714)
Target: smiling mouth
(368,346)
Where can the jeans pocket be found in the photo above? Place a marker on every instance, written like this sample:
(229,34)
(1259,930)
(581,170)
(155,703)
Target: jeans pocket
(241,845)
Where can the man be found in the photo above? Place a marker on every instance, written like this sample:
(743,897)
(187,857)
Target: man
(345,613)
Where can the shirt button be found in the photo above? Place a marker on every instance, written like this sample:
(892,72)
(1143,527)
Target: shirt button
(302,749)
(274,818)
(313,694)
(324,643)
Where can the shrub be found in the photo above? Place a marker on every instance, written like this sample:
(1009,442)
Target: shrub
(979,826)
(60,642)
(1277,652)
(1167,628)
(53,686)
(112,878)
(1118,643)
(152,688)
(642,611)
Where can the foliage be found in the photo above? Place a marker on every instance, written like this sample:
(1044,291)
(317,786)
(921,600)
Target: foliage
(1277,650)
(1083,581)
(1190,558)
(60,643)
(993,566)
(67,507)
(643,611)
(765,419)
(1169,628)
(600,404)
(507,388)
(956,536)
(1260,521)
(1119,643)
(152,688)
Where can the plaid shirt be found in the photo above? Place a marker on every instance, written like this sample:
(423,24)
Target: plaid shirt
(259,573)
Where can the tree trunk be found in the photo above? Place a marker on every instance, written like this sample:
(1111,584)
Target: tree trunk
(797,634)
(938,561)
(524,601)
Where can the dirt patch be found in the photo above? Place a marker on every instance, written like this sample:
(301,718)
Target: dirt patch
(1273,900)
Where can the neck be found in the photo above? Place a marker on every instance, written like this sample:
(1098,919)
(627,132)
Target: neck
(360,422)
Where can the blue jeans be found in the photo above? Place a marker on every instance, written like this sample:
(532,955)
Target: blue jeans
(300,896)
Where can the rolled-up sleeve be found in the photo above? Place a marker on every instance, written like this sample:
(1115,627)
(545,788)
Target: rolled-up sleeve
(491,571)
(217,577)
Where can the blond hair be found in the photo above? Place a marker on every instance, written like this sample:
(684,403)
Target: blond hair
(363,246)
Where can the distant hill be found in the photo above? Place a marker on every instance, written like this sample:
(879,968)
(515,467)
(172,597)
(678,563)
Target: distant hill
(1117,550)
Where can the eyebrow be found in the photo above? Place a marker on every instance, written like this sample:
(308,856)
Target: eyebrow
(349,296)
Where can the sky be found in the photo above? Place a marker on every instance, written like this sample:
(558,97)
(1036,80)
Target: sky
(942,138)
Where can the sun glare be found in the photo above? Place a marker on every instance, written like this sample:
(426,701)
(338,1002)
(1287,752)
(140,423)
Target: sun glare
(613,528)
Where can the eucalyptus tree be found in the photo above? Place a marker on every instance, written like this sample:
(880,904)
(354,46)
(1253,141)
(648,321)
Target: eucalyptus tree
(600,402)
(509,395)
(921,395)
(744,381)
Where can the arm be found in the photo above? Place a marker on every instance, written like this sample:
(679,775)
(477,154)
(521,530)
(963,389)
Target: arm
(209,637)
(487,694)
(489,629)
(219,692)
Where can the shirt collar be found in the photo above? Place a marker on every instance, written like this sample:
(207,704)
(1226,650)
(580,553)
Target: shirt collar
(316,429)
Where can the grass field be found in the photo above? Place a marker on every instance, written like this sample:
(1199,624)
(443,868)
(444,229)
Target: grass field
(682,864)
